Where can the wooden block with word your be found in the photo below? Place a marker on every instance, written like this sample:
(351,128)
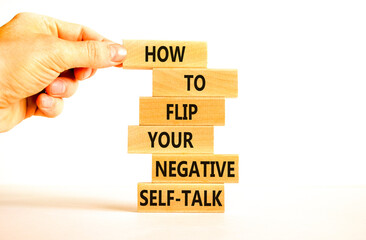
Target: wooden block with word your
(170,139)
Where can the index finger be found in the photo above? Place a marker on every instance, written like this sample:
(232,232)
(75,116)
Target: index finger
(72,31)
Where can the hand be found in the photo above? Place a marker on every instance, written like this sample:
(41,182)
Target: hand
(41,61)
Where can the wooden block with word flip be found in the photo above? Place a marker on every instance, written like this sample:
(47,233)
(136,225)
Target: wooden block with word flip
(170,139)
(178,197)
(195,82)
(182,111)
(201,168)
(148,54)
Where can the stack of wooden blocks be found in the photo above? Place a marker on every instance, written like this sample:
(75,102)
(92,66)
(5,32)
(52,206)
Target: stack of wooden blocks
(176,127)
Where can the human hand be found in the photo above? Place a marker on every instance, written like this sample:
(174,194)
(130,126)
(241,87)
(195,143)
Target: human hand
(41,61)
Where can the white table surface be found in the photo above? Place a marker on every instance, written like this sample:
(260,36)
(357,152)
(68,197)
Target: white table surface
(252,212)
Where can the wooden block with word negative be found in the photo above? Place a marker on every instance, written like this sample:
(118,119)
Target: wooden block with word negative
(178,197)
(170,139)
(195,82)
(148,54)
(201,168)
(182,111)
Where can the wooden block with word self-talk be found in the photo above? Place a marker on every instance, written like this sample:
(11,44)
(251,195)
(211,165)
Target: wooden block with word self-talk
(195,82)
(170,139)
(148,54)
(201,168)
(182,111)
(178,197)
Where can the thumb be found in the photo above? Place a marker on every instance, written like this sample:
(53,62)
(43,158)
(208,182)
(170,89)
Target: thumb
(90,54)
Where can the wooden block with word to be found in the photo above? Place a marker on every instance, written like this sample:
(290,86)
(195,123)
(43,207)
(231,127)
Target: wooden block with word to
(170,139)
(195,82)
(201,168)
(148,54)
(182,111)
(178,197)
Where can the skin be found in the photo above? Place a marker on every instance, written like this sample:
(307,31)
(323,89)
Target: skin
(41,61)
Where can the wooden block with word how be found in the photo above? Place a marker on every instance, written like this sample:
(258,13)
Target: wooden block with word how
(148,54)
(201,168)
(182,111)
(195,82)
(170,139)
(178,197)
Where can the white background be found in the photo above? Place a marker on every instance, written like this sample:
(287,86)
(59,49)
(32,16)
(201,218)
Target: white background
(299,120)
(300,117)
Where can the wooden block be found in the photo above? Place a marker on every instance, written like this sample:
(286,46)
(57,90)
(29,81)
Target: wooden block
(170,139)
(148,54)
(195,82)
(182,111)
(201,168)
(176,197)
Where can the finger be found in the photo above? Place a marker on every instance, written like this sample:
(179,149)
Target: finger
(93,72)
(88,54)
(31,106)
(62,87)
(71,31)
(84,73)
(58,28)
(83,47)
(48,106)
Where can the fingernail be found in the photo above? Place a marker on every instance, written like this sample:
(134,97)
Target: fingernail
(87,73)
(118,53)
(58,87)
(47,101)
